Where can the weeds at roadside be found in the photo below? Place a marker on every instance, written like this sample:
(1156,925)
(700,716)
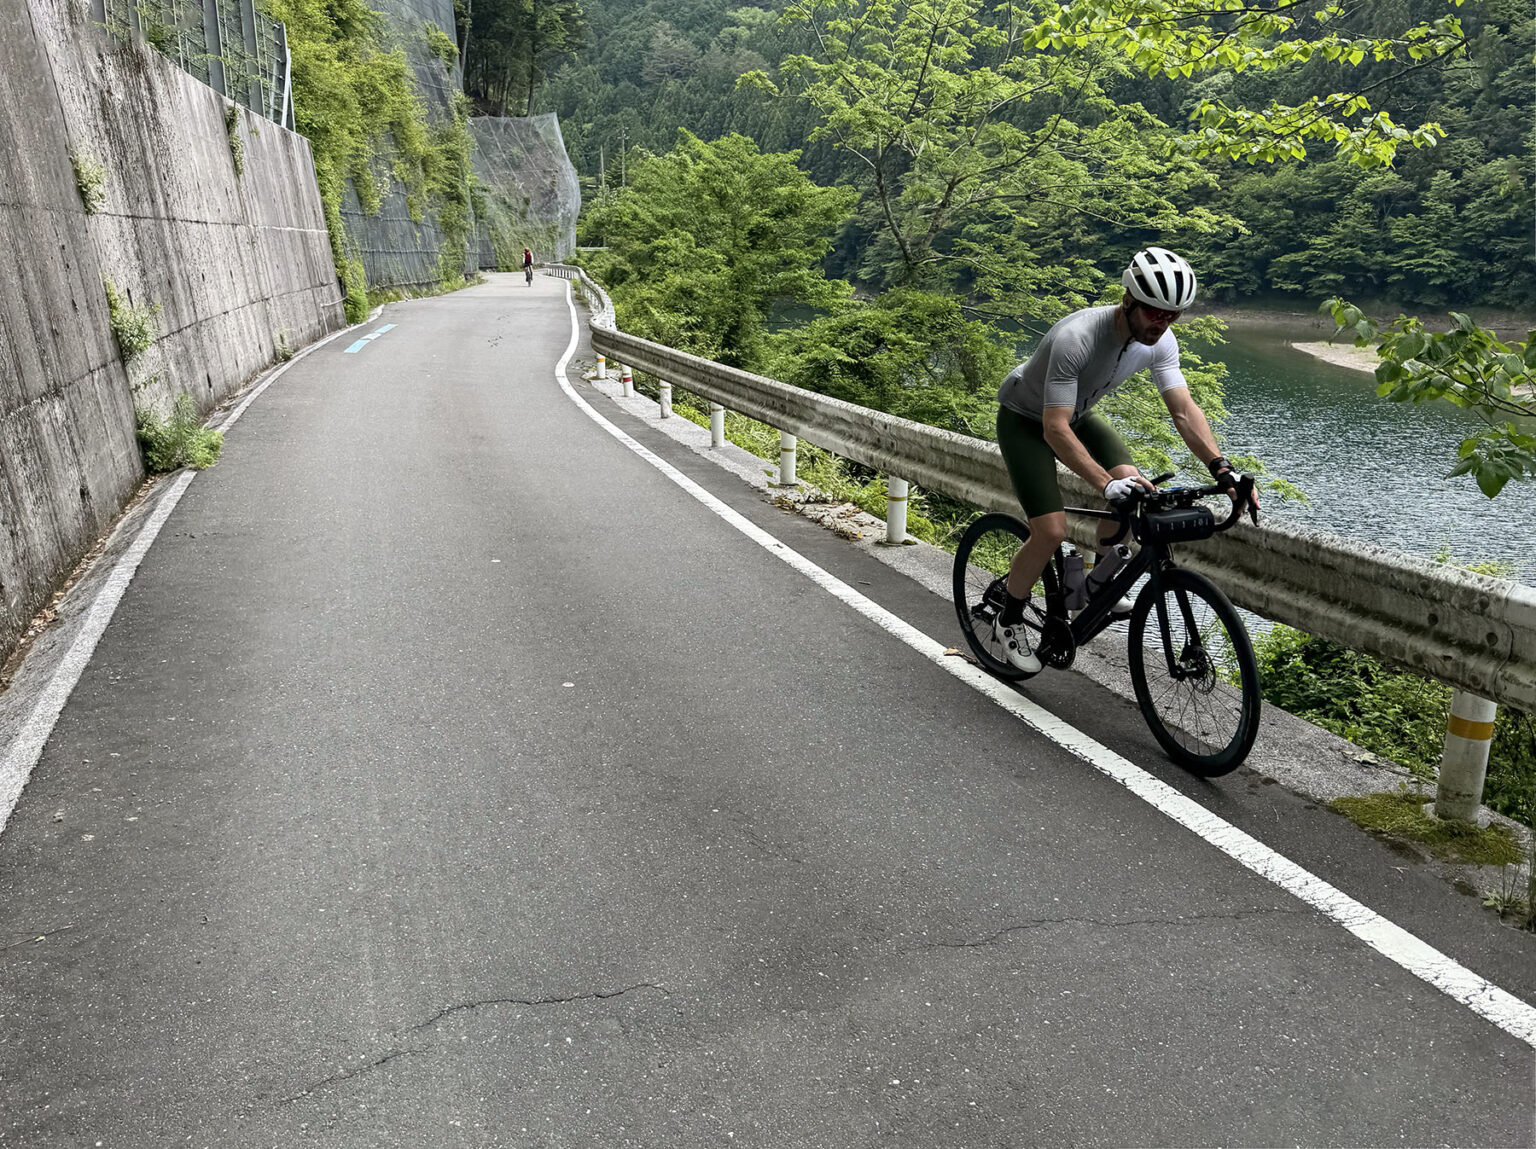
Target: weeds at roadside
(1515,899)
(178,441)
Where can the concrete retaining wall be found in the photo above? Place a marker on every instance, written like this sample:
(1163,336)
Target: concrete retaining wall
(237,263)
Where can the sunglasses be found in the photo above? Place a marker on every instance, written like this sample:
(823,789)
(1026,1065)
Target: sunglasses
(1158,315)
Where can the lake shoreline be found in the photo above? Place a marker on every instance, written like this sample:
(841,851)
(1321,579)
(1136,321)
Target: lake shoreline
(1362,359)
(1507,324)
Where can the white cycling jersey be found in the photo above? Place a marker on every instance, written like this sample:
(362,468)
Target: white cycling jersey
(1083,358)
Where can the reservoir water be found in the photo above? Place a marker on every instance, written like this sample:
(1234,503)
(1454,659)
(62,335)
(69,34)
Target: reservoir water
(1374,470)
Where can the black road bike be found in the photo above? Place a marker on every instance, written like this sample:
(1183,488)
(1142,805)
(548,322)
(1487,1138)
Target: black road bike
(1191,661)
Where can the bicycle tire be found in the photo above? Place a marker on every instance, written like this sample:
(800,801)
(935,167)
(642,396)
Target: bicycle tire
(981,559)
(1204,711)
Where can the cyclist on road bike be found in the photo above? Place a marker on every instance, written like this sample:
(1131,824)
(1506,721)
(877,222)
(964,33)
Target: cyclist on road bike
(1045,414)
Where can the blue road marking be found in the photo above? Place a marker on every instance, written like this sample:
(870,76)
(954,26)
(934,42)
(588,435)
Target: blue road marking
(369,338)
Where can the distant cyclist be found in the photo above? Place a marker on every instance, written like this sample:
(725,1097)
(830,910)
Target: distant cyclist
(1045,413)
(528,265)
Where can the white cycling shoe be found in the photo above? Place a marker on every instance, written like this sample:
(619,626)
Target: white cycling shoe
(1014,641)
(1123,608)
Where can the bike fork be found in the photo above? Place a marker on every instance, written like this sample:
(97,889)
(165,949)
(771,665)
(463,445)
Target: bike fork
(1175,660)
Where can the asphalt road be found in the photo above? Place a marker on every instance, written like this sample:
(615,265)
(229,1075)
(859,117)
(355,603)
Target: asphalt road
(448,776)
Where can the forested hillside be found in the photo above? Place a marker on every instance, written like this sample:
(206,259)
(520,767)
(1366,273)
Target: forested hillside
(1445,225)
(998,162)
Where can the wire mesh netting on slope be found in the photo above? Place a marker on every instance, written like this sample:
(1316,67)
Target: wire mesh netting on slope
(530,189)
(396,250)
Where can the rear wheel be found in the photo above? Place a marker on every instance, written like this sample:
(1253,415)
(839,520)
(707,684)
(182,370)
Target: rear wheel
(981,572)
(1194,672)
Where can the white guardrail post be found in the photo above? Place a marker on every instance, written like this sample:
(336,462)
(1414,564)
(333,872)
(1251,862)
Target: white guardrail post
(1464,764)
(716,426)
(666,399)
(895,510)
(787,443)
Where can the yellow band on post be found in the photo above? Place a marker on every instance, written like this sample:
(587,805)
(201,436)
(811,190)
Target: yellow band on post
(1471,731)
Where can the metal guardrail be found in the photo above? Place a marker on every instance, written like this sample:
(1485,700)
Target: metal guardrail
(1473,632)
(227,44)
(597,299)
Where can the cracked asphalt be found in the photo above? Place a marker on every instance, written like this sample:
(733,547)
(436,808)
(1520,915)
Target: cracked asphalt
(449,777)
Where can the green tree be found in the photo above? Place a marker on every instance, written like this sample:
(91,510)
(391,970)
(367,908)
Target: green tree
(970,147)
(513,45)
(1188,38)
(999,144)
(672,55)
(1469,367)
(709,237)
(910,352)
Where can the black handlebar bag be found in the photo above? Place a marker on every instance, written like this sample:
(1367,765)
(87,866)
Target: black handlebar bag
(1176,525)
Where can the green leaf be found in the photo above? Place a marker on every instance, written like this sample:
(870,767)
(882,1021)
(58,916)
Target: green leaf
(1491,483)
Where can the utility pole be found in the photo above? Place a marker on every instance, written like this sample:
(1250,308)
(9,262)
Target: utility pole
(623,157)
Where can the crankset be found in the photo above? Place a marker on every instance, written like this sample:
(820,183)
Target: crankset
(1057,647)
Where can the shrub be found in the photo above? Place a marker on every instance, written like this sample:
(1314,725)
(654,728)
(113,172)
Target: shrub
(133,327)
(236,143)
(441,46)
(178,441)
(356,100)
(91,181)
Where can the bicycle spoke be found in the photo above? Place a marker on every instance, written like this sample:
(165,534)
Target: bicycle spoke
(1195,681)
(982,561)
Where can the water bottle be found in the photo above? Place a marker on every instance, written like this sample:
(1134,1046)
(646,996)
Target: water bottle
(1106,568)
(1074,582)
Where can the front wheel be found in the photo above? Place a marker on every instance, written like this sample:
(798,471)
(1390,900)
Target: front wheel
(1196,679)
(982,559)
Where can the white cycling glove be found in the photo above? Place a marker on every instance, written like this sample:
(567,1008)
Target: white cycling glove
(1117,489)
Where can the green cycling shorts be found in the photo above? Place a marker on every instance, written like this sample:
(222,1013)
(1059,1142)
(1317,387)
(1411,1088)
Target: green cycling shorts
(1032,463)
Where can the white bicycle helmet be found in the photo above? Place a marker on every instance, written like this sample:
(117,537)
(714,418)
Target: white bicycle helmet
(1161,279)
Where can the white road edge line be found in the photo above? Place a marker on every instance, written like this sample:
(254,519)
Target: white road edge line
(1416,956)
(22,755)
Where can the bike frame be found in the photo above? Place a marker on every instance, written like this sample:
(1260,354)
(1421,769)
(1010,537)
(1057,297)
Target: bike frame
(1152,557)
(1094,618)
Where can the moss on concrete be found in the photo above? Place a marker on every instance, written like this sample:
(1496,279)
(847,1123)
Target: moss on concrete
(1399,816)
